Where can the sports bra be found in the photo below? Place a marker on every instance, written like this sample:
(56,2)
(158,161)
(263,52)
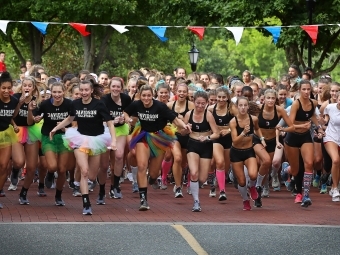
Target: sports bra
(240,130)
(200,127)
(268,124)
(302,115)
(186,108)
(222,120)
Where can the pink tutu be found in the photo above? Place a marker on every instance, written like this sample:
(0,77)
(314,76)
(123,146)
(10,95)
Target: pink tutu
(94,144)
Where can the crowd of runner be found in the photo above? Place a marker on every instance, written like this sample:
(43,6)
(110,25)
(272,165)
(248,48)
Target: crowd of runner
(188,129)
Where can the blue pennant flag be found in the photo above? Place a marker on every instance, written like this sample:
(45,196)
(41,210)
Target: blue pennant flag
(275,31)
(41,26)
(160,32)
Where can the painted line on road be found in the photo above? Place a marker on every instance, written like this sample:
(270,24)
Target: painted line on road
(191,240)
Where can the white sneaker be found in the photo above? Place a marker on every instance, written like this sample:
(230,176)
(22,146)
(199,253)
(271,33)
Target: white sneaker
(12,187)
(189,190)
(275,181)
(331,192)
(336,195)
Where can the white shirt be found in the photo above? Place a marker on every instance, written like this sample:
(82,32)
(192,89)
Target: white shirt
(333,128)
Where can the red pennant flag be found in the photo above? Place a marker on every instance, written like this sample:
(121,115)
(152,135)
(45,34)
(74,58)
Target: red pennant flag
(312,31)
(199,31)
(81,28)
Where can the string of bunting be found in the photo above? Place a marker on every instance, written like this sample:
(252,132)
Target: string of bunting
(159,31)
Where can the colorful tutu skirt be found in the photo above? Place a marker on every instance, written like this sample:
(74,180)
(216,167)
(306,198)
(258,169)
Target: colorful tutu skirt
(92,145)
(158,141)
(29,134)
(55,145)
(122,130)
(8,137)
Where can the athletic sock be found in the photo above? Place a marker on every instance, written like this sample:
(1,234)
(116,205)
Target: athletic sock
(252,183)
(116,180)
(275,170)
(76,183)
(23,192)
(318,172)
(194,187)
(86,200)
(134,171)
(143,193)
(15,172)
(49,176)
(58,193)
(259,180)
(41,185)
(243,191)
(307,180)
(166,165)
(220,176)
(102,189)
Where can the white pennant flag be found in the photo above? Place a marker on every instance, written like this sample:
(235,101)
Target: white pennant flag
(121,29)
(3,25)
(237,32)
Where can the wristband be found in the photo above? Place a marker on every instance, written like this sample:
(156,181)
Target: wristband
(262,139)
(208,138)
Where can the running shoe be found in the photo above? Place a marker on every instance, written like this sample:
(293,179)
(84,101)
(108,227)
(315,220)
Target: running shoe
(164,185)
(23,200)
(298,199)
(196,207)
(178,193)
(294,192)
(212,192)
(323,189)
(223,196)
(284,171)
(101,199)
(189,190)
(76,191)
(306,201)
(153,183)
(246,205)
(316,181)
(87,210)
(59,202)
(258,201)
(15,177)
(144,205)
(135,188)
(117,193)
(71,185)
(41,192)
(12,187)
(331,192)
(49,180)
(1,206)
(23,174)
(275,182)
(265,192)
(92,186)
(2,193)
(336,195)
(253,193)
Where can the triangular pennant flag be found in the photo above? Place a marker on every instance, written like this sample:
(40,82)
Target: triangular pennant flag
(275,31)
(121,29)
(312,31)
(237,32)
(81,28)
(160,32)
(41,26)
(199,31)
(3,25)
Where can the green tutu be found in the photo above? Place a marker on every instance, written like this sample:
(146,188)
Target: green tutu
(56,145)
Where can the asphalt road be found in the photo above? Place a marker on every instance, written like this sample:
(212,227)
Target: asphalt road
(159,238)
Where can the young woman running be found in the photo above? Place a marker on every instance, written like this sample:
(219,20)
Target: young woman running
(116,102)
(223,112)
(88,140)
(52,111)
(268,120)
(332,144)
(242,153)
(302,113)
(26,150)
(8,105)
(200,146)
(181,106)
(150,138)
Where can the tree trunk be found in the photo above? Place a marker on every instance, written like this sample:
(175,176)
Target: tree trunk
(89,50)
(292,55)
(102,49)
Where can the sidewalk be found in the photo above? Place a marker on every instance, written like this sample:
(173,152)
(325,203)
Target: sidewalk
(278,208)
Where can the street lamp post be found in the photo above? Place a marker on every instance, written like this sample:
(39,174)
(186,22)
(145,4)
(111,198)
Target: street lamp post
(193,56)
(310,8)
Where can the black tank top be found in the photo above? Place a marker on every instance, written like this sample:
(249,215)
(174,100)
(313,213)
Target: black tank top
(186,108)
(200,127)
(240,130)
(302,115)
(222,120)
(268,124)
